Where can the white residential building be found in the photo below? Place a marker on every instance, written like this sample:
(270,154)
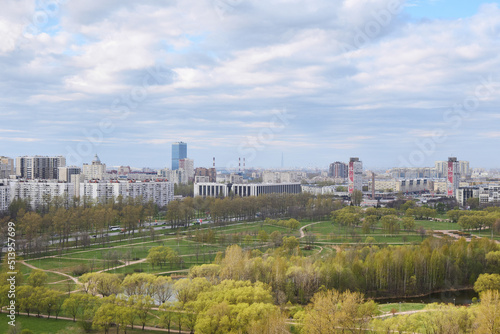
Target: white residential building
(213,189)
(38,167)
(40,192)
(64,173)
(6,167)
(489,194)
(4,195)
(94,171)
(159,191)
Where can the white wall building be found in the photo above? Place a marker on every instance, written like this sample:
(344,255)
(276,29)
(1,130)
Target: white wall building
(39,192)
(213,189)
(4,195)
(489,194)
(160,192)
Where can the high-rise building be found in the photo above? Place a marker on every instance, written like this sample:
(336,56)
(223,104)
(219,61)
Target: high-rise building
(355,175)
(6,167)
(338,170)
(38,167)
(187,165)
(453,176)
(465,171)
(65,173)
(4,196)
(179,151)
(94,171)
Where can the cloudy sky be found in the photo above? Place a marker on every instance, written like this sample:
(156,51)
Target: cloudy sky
(395,82)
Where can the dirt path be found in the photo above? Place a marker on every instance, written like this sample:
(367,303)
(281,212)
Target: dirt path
(302,234)
(74,279)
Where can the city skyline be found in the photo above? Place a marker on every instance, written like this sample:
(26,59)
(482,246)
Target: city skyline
(396,83)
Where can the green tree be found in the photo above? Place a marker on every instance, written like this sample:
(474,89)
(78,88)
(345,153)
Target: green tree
(487,282)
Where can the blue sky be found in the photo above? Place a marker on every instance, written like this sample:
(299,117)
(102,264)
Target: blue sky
(394,82)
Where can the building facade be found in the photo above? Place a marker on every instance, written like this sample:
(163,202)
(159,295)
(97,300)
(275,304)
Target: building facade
(64,173)
(95,171)
(40,192)
(38,167)
(452,176)
(161,192)
(355,175)
(187,165)
(4,196)
(210,172)
(6,167)
(212,189)
(338,170)
(464,193)
(179,151)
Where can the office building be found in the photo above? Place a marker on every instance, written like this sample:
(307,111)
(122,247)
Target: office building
(355,175)
(38,167)
(179,151)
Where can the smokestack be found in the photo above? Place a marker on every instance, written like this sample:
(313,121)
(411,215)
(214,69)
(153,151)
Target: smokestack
(243,165)
(214,163)
(239,165)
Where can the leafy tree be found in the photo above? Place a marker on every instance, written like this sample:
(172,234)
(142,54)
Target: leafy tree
(37,278)
(357,197)
(488,315)
(487,282)
(330,310)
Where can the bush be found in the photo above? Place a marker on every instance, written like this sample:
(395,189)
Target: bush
(138,270)
(80,270)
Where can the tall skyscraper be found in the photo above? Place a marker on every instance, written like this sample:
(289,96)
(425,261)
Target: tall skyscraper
(355,175)
(179,151)
(453,177)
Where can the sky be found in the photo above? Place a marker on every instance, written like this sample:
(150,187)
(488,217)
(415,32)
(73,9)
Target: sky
(397,83)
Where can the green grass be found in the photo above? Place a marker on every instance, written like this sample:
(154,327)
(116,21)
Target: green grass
(435,225)
(386,308)
(52,326)
(37,325)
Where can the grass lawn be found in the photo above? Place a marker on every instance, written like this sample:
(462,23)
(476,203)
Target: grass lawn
(52,326)
(37,325)
(435,225)
(386,308)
